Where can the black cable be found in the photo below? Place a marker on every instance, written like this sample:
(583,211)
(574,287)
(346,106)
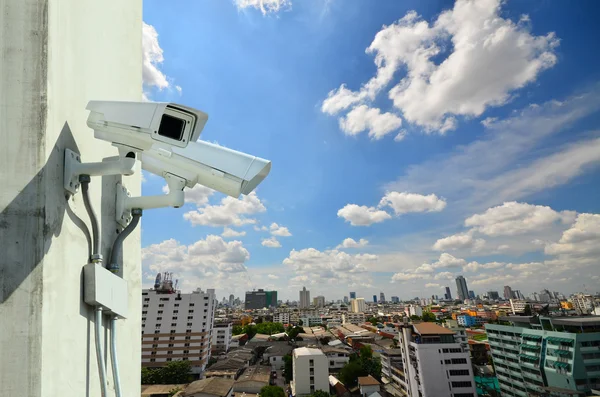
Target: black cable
(118,244)
(85,181)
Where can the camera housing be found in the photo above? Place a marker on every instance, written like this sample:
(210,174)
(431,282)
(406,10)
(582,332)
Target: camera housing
(138,125)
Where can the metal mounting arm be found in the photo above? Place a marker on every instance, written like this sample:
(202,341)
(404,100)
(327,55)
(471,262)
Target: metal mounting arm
(74,167)
(125,203)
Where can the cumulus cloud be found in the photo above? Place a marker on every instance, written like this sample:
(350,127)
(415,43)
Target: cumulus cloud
(362,215)
(351,243)
(271,242)
(273,276)
(280,231)
(403,203)
(228,233)
(459,241)
(333,266)
(580,243)
(516,218)
(261,228)
(152,58)
(264,6)
(491,57)
(231,212)
(399,202)
(363,118)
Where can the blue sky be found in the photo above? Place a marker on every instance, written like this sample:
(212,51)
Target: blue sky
(442,138)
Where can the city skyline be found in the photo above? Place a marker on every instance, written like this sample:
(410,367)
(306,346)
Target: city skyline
(368,191)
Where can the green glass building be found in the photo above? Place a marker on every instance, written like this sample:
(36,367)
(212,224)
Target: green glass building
(546,356)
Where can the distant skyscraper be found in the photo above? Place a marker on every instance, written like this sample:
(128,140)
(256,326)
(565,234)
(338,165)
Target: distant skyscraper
(508,292)
(374,298)
(304,298)
(231,299)
(352,295)
(493,295)
(448,294)
(517,294)
(461,286)
(346,300)
(471,295)
(395,299)
(260,299)
(381,297)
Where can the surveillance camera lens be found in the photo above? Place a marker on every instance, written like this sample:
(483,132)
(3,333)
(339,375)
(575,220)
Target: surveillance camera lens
(171,127)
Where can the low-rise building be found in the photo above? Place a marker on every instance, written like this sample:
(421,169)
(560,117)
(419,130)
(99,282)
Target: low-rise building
(353,318)
(310,371)
(368,385)
(337,358)
(311,321)
(213,387)
(275,353)
(281,317)
(253,379)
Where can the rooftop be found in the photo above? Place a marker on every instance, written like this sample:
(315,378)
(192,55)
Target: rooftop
(259,373)
(368,381)
(149,390)
(212,386)
(306,351)
(431,329)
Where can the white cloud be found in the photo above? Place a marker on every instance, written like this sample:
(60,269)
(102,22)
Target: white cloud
(444,276)
(198,195)
(273,276)
(363,118)
(362,215)
(490,58)
(351,243)
(152,57)
(264,6)
(261,228)
(271,242)
(459,241)
(580,243)
(280,231)
(228,233)
(401,135)
(433,285)
(229,213)
(332,267)
(402,202)
(516,218)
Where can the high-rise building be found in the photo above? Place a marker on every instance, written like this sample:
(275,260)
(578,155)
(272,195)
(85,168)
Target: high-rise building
(433,363)
(346,300)
(374,298)
(221,337)
(358,305)
(381,297)
(319,301)
(471,294)
(493,295)
(395,299)
(260,299)
(352,295)
(448,294)
(231,300)
(310,371)
(508,294)
(461,287)
(304,298)
(177,326)
(536,354)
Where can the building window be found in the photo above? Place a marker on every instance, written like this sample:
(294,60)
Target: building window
(171,344)
(189,324)
(145,312)
(191,311)
(173,324)
(186,344)
(459,361)
(174,319)
(156,345)
(155,339)
(143,325)
(459,372)
(144,293)
(331,363)
(190,317)
(158,318)
(312,379)
(312,389)
(169,359)
(177,305)
(152,360)
(175,311)
(160,312)
(186,351)
(161,305)
(157,325)
(145,305)
(164,299)
(192,304)
(462,384)
(146,299)
(188,337)
(170,352)
(172,331)
(188,331)
(153,353)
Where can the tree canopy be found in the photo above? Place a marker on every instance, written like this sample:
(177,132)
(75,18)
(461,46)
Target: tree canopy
(288,370)
(173,373)
(320,393)
(360,365)
(373,321)
(429,317)
(269,328)
(294,331)
(272,391)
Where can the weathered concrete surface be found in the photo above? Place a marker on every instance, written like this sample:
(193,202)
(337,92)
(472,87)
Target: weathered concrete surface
(56,55)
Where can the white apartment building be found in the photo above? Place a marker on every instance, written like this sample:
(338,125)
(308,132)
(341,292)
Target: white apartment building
(517,305)
(311,321)
(281,317)
(353,318)
(413,310)
(433,363)
(337,358)
(311,371)
(583,303)
(358,305)
(177,326)
(319,301)
(221,338)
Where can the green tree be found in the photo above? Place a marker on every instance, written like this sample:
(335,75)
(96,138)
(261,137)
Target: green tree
(370,365)
(429,317)
(250,330)
(174,391)
(325,340)
(237,330)
(320,393)
(300,323)
(350,372)
(527,310)
(269,328)
(149,376)
(272,391)
(415,317)
(373,321)
(293,332)
(173,373)
(288,368)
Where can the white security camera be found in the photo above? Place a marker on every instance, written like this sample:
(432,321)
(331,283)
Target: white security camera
(165,135)
(138,125)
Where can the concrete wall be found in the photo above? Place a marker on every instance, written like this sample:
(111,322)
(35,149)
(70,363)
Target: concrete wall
(56,55)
